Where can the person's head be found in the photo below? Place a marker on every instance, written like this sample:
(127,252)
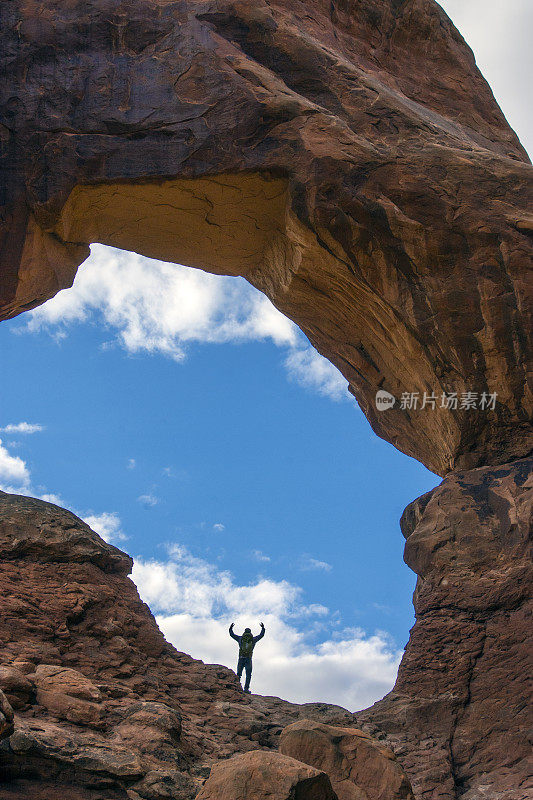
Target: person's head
(247,630)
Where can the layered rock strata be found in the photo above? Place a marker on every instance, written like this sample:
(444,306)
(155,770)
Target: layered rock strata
(347,158)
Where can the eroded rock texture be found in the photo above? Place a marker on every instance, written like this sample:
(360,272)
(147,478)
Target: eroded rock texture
(266,776)
(460,715)
(102,704)
(346,157)
(6,717)
(359,767)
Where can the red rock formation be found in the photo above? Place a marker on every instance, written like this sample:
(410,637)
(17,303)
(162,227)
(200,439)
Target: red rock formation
(346,157)
(101,699)
(266,776)
(6,717)
(349,160)
(460,715)
(103,704)
(359,767)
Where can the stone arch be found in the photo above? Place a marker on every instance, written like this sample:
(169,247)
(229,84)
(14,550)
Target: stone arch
(357,170)
(384,215)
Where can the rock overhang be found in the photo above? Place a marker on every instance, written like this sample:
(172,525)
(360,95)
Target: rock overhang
(394,236)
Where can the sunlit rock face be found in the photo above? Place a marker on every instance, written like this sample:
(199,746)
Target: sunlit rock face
(459,716)
(359,767)
(255,776)
(346,157)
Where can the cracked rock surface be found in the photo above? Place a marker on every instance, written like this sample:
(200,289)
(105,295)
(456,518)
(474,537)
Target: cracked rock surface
(346,157)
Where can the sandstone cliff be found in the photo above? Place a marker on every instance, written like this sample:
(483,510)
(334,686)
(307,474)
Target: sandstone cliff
(464,683)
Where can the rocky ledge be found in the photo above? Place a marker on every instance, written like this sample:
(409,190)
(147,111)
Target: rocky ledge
(96,704)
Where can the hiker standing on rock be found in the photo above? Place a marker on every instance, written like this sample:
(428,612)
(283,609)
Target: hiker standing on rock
(246,642)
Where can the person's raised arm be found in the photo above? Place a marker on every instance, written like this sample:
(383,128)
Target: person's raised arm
(256,638)
(233,635)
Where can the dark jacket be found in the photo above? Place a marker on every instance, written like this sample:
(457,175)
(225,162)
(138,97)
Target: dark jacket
(246,647)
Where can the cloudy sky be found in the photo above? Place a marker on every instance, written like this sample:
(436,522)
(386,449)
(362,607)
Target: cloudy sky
(499,33)
(191,424)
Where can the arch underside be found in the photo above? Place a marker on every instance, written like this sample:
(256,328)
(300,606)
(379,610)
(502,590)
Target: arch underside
(245,224)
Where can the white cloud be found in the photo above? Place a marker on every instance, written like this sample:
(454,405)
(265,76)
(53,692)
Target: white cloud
(108,525)
(131,464)
(316,609)
(308,563)
(159,308)
(195,603)
(218,526)
(15,478)
(14,472)
(310,369)
(148,500)
(52,497)
(499,34)
(22,427)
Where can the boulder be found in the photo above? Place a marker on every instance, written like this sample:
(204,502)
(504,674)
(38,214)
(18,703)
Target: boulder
(359,767)
(152,723)
(54,678)
(265,776)
(63,706)
(166,784)
(16,686)
(67,694)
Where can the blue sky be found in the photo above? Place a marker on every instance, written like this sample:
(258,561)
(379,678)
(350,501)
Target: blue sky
(204,436)
(192,425)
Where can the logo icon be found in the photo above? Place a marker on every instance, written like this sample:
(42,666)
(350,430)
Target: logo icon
(384,400)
